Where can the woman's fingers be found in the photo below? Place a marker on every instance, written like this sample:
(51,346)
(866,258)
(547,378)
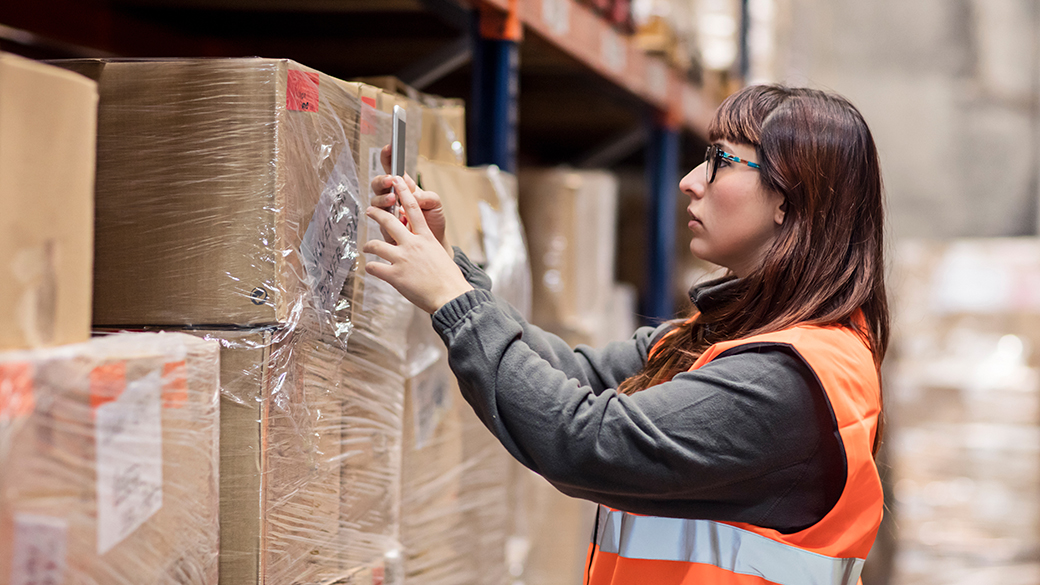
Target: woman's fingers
(413,212)
(390,224)
(382,249)
(384,157)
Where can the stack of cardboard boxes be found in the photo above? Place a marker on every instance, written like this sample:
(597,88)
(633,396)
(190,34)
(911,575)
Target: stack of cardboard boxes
(962,396)
(297,423)
(108,446)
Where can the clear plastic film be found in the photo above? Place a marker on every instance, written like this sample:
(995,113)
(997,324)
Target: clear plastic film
(962,401)
(109,452)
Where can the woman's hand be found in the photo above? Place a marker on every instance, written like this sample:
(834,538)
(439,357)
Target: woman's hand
(419,267)
(429,202)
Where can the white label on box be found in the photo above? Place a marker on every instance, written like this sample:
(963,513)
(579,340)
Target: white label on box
(38,555)
(128,434)
(612,51)
(557,14)
(329,246)
(375,168)
(430,393)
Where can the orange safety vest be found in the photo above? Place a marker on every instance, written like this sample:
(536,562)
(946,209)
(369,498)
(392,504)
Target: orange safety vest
(629,549)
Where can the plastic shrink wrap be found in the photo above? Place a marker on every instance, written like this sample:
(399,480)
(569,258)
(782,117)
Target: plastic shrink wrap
(47,198)
(962,396)
(229,206)
(110,466)
(455,496)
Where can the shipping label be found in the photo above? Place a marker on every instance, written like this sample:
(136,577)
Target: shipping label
(329,246)
(128,435)
(38,554)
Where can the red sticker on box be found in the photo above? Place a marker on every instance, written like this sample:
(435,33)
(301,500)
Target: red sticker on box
(16,390)
(107,382)
(368,126)
(301,91)
(175,385)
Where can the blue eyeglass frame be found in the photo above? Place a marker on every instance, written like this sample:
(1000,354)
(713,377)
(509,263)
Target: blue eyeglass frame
(712,156)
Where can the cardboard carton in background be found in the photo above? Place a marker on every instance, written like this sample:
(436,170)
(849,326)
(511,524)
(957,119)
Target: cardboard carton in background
(111,462)
(210,173)
(48,122)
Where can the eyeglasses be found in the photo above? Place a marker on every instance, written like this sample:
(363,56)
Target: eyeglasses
(716,154)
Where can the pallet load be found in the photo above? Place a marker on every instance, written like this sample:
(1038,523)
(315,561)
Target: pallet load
(110,452)
(47,133)
(570,217)
(456,493)
(962,396)
(229,206)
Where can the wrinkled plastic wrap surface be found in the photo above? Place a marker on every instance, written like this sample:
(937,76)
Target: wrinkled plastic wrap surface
(962,397)
(110,463)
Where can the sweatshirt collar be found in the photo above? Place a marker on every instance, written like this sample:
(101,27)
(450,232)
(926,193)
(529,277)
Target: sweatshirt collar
(708,295)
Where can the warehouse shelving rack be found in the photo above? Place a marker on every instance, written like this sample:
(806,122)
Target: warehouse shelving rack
(546,81)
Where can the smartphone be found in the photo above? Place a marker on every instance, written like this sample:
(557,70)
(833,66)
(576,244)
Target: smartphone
(397,142)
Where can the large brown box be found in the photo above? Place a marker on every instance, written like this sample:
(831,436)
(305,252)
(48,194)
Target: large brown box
(280,451)
(210,174)
(47,132)
(571,222)
(110,464)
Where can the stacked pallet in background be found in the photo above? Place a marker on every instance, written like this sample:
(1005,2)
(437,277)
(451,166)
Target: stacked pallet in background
(570,217)
(47,134)
(962,396)
(109,459)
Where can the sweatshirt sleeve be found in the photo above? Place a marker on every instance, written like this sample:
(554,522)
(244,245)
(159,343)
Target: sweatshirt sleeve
(730,441)
(597,370)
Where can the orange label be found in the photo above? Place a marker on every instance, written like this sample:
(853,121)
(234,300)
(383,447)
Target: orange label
(301,91)
(367,125)
(377,576)
(175,385)
(16,390)
(107,382)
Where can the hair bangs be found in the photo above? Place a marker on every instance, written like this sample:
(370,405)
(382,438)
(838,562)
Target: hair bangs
(737,120)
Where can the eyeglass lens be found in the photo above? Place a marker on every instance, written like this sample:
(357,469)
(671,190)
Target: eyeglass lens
(711,157)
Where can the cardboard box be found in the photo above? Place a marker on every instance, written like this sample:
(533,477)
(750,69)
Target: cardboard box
(443,137)
(110,462)
(226,190)
(571,221)
(280,450)
(48,122)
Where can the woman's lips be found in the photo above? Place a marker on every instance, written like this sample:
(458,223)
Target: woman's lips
(694,222)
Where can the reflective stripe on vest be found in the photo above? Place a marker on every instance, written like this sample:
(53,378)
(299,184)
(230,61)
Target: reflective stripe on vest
(721,545)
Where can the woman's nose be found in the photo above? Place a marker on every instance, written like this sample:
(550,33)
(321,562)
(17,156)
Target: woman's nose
(693,183)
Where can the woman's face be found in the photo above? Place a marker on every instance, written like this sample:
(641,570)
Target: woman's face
(734,219)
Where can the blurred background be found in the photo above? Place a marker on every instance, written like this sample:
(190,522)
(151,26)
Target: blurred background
(618,94)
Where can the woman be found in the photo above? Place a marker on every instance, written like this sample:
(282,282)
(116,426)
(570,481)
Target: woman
(735,446)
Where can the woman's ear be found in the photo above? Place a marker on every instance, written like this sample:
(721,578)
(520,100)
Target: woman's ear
(780,212)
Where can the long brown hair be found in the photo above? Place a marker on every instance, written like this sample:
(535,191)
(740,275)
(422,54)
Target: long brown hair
(827,262)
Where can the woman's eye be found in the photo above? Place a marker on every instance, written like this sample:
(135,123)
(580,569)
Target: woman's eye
(723,163)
